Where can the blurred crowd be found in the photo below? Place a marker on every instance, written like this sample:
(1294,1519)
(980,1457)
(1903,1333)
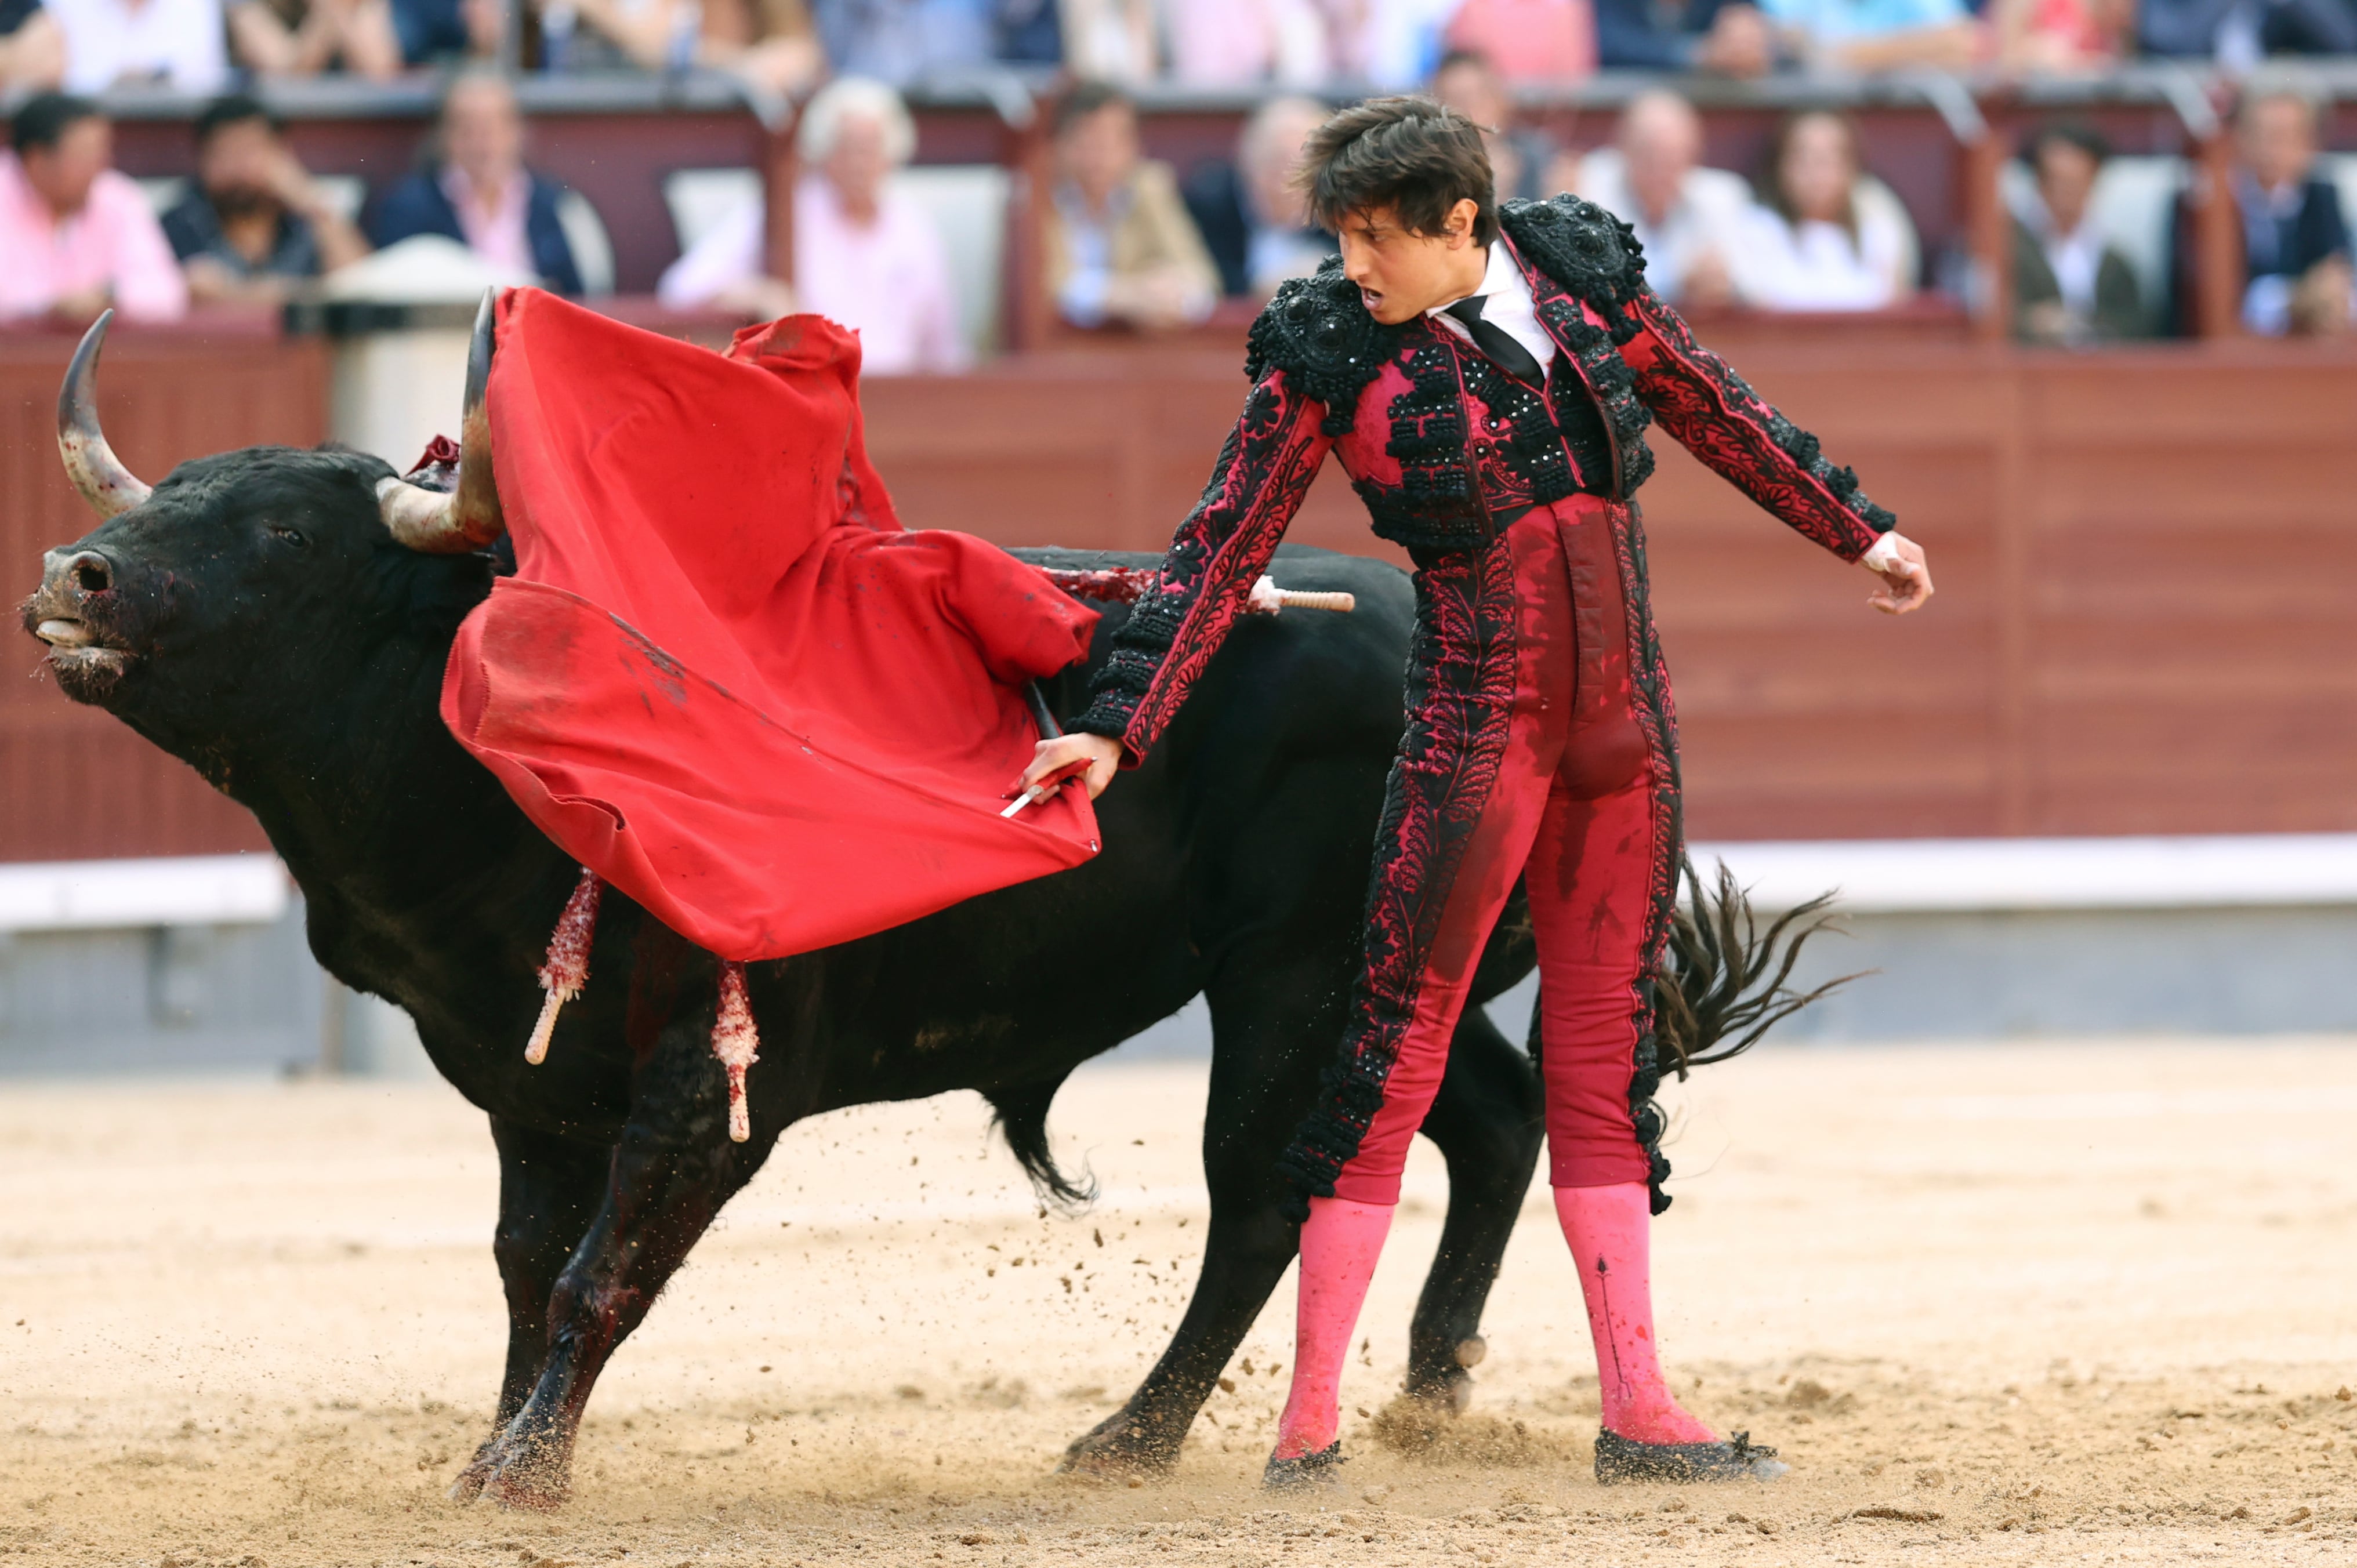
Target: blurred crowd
(1132,243)
(199,44)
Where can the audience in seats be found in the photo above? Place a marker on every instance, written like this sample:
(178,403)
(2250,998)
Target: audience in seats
(771,43)
(2295,247)
(1121,249)
(903,41)
(476,189)
(431,31)
(2044,37)
(1821,238)
(252,226)
(1254,220)
(1525,163)
(865,256)
(1713,37)
(2238,34)
(614,35)
(77,235)
(32,50)
(306,38)
(1529,40)
(168,43)
(2069,285)
(1247,43)
(1688,218)
(1877,35)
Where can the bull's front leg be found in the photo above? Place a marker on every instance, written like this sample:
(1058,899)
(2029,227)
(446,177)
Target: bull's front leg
(671,1171)
(549,1192)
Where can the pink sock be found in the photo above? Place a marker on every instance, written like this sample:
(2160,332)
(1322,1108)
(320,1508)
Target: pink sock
(1608,1227)
(1340,1244)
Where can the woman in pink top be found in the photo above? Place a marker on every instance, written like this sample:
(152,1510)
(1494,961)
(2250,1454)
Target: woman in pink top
(77,235)
(1529,40)
(863,255)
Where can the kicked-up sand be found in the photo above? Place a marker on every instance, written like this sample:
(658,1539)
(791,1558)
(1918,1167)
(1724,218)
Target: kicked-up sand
(2057,1302)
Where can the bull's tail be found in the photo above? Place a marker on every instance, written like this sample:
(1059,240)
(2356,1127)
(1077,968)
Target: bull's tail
(1723,983)
(1019,1112)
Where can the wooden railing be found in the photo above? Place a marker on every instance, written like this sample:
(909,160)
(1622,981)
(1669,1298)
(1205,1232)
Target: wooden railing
(2147,561)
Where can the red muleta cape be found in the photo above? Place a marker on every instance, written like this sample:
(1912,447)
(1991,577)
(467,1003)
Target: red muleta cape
(724,677)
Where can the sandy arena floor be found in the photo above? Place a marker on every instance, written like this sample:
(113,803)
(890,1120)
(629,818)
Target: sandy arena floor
(2015,1305)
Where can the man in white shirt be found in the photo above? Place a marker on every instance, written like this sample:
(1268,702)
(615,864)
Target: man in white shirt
(1685,215)
(176,43)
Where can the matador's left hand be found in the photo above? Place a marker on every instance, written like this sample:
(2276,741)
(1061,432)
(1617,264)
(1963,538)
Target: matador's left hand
(1906,575)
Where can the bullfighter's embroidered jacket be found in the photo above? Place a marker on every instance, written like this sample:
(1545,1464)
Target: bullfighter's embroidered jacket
(1445,449)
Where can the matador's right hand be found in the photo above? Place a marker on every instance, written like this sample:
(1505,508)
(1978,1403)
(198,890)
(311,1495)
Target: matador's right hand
(1093,759)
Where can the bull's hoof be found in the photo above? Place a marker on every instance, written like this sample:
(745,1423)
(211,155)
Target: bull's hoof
(514,1470)
(1448,1393)
(1115,1450)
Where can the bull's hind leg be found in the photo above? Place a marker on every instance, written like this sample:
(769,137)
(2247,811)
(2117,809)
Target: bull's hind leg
(671,1173)
(549,1190)
(1275,1027)
(1488,1121)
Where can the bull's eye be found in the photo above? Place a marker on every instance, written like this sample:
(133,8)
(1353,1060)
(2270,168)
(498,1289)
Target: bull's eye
(291,535)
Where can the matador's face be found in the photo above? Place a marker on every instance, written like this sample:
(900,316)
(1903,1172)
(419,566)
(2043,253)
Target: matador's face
(1402,273)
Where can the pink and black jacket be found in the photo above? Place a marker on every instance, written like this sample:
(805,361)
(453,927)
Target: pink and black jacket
(1447,450)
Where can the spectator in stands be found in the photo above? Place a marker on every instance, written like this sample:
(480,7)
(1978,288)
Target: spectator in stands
(1392,45)
(1877,35)
(2069,285)
(2296,238)
(253,227)
(1687,217)
(1253,219)
(1524,162)
(174,43)
(32,50)
(304,37)
(1247,43)
(435,30)
(1112,40)
(900,41)
(1721,37)
(2239,33)
(477,190)
(1529,40)
(1121,249)
(1813,242)
(76,235)
(770,42)
(611,35)
(865,256)
(2062,36)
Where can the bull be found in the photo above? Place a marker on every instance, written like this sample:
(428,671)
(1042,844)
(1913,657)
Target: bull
(280,618)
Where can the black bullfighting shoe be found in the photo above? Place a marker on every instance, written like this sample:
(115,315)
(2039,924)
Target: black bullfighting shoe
(1310,1472)
(1619,1458)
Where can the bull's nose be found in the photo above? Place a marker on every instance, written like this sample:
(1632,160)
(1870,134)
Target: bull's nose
(83,572)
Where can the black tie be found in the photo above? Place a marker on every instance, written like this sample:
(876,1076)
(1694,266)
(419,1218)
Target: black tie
(1497,342)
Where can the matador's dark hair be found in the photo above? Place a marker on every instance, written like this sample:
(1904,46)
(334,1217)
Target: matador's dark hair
(1410,155)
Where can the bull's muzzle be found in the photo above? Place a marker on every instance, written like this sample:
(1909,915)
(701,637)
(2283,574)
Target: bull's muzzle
(70,581)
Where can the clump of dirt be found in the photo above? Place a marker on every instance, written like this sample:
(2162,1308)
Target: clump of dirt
(1428,1433)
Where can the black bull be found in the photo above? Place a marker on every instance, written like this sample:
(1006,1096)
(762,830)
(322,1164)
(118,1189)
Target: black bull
(254,617)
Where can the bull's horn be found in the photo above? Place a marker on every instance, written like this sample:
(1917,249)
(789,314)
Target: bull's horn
(468,517)
(109,487)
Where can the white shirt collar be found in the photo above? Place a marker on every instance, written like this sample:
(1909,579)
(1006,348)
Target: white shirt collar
(1508,305)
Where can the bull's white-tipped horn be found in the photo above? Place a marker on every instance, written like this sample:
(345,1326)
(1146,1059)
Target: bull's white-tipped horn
(468,517)
(109,487)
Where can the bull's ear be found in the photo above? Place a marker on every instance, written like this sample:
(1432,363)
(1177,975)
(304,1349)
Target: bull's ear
(468,518)
(109,488)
